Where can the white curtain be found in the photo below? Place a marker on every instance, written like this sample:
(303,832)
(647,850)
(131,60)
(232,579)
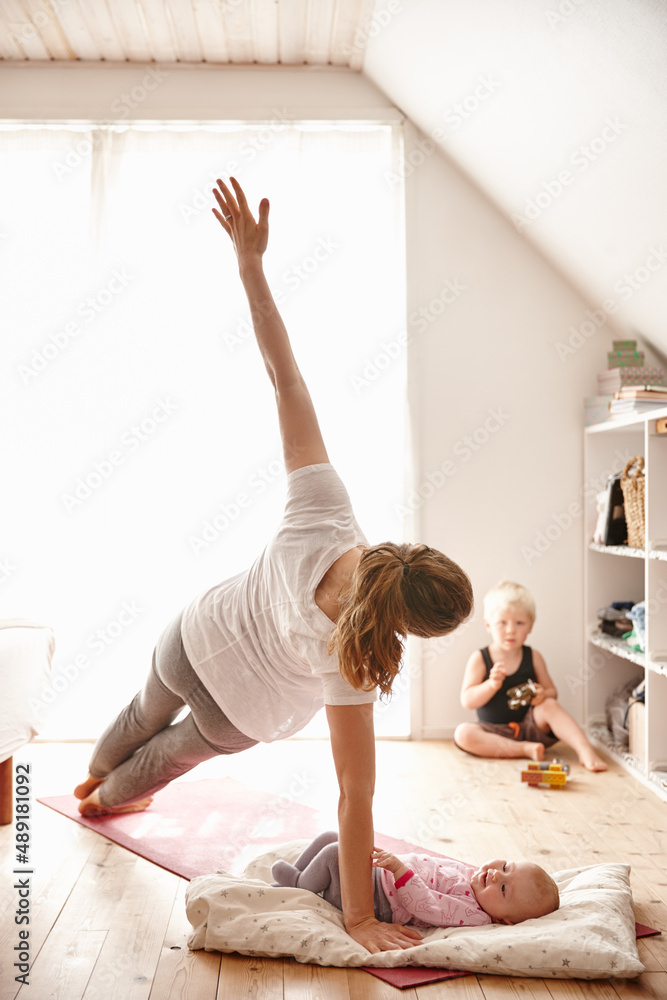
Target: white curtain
(142,460)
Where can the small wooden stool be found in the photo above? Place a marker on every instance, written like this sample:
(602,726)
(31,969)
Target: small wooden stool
(6,788)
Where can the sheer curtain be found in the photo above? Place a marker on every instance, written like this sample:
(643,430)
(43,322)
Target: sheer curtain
(142,455)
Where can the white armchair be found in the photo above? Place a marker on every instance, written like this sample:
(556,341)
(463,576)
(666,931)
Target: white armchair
(26,651)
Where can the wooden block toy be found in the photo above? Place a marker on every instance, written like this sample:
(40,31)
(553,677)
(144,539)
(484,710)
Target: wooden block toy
(552,773)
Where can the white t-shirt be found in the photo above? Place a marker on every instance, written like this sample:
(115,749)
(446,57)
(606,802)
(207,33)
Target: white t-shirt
(258,641)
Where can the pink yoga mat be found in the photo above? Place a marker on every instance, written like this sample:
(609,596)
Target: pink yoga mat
(196,827)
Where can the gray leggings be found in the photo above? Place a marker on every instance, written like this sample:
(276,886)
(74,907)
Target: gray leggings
(317,870)
(144,749)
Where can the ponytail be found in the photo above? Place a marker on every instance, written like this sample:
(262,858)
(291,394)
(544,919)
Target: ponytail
(396,591)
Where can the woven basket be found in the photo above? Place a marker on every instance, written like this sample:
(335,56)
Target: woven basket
(633,486)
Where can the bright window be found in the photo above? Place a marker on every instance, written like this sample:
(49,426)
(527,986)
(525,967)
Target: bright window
(143,462)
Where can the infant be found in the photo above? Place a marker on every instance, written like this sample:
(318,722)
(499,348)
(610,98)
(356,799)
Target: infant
(428,891)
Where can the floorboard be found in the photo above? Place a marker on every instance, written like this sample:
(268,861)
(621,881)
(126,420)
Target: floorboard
(107,925)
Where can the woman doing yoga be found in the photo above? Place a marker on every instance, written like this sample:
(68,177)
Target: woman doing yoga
(318,619)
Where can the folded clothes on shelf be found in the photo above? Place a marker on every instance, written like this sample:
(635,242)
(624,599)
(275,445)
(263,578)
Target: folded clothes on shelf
(636,636)
(614,619)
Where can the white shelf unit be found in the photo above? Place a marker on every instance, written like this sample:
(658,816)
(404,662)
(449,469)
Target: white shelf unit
(619,573)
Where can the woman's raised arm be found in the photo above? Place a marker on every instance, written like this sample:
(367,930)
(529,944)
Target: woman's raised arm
(299,428)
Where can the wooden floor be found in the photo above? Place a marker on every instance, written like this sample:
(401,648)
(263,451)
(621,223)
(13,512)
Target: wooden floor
(107,924)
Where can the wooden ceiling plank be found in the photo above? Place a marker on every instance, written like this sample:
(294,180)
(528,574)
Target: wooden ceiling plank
(345,23)
(131,29)
(160,32)
(264,15)
(212,33)
(80,31)
(25,33)
(184,27)
(101,27)
(318,34)
(9,47)
(46,20)
(292,32)
(292,27)
(238,28)
(350,32)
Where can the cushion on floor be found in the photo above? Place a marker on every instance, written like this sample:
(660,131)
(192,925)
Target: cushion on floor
(591,935)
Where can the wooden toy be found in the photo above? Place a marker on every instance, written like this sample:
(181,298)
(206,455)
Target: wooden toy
(521,695)
(552,773)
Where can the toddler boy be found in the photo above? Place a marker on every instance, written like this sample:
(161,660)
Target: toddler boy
(501,731)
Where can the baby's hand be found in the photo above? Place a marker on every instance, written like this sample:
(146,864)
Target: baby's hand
(383,859)
(497,674)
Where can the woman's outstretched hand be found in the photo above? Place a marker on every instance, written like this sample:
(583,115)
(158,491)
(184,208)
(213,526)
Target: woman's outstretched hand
(377,936)
(249,237)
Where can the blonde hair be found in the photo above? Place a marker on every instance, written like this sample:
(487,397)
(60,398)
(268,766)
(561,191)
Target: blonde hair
(396,591)
(508,594)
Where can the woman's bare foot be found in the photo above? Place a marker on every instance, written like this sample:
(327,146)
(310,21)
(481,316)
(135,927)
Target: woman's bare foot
(91,806)
(535,751)
(591,761)
(83,790)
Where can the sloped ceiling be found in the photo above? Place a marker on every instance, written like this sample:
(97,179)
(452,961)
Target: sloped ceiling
(558,111)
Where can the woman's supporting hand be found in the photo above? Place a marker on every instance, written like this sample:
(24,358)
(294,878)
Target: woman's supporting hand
(250,238)
(376,936)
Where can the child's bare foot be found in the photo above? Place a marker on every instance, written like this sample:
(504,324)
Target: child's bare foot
(535,751)
(91,806)
(83,790)
(591,761)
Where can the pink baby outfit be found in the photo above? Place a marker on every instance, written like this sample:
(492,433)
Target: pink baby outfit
(435,892)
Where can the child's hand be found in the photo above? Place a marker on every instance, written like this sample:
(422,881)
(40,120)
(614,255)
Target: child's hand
(383,859)
(497,675)
(539,695)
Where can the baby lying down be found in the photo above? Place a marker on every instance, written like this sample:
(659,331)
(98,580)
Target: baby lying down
(429,891)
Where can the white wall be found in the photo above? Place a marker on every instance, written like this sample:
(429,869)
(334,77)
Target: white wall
(487,369)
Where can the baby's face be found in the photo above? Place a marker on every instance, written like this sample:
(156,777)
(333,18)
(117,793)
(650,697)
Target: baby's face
(508,891)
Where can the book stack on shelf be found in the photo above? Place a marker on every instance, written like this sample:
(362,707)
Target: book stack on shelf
(638,399)
(627,385)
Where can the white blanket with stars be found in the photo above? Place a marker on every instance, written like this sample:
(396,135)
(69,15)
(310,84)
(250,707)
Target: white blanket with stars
(591,935)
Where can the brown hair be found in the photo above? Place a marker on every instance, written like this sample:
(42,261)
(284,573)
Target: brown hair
(396,591)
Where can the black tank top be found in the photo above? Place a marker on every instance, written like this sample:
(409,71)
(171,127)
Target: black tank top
(497,710)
